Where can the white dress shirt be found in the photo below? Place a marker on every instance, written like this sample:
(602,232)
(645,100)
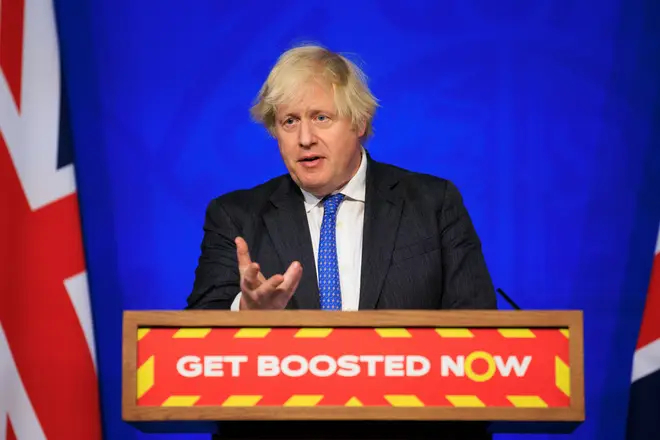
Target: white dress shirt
(350,220)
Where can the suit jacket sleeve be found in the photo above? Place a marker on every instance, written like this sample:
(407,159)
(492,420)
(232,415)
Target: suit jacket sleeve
(467,283)
(217,280)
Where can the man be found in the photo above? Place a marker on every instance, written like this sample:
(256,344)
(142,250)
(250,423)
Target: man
(340,231)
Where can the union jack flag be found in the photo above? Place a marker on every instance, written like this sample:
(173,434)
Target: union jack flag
(48,382)
(644,406)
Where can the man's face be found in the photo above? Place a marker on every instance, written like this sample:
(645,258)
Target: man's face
(320,149)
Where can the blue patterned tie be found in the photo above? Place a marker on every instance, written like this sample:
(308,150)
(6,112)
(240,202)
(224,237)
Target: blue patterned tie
(329,287)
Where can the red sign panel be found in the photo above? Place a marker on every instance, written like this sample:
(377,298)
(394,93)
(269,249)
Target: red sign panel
(432,367)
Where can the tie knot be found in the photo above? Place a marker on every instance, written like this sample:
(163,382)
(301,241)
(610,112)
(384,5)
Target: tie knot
(331,203)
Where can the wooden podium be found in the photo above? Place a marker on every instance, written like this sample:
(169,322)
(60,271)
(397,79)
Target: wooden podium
(366,374)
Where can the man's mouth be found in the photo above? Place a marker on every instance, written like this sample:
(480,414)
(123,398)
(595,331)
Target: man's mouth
(311,161)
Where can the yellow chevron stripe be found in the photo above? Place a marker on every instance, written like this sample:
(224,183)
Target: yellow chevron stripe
(465,401)
(403,400)
(516,333)
(454,333)
(393,333)
(353,401)
(313,333)
(562,376)
(191,333)
(242,400)
(304,400)
(145,376)
(142,332)
(527,401)
(565,332)
(252,332)
(181,401)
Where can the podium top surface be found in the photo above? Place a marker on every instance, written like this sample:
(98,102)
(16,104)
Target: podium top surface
(362,318)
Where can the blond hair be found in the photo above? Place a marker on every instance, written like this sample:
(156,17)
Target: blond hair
(352,96)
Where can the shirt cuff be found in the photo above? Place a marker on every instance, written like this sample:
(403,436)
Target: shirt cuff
(235,306)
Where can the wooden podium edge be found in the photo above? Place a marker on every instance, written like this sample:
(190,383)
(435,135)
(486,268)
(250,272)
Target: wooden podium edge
(571,319)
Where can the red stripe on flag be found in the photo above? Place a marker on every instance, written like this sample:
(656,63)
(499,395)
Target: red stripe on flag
(10,430)
(11,44)
(650,328)
(39,251)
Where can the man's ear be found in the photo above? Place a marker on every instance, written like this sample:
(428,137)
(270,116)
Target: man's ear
(361,128)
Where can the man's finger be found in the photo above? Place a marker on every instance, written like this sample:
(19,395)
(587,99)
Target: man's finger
(269,286)
(250,277)
(265,293)
(292,278)
(242,254)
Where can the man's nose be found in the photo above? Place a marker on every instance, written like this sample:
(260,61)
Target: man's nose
(306,134)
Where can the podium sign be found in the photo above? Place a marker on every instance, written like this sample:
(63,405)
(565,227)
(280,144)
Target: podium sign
(367,365)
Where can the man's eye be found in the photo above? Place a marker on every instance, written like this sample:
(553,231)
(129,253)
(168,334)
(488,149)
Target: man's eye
(289,121)
(322,118)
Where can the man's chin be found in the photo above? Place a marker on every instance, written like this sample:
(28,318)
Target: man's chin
(317,187)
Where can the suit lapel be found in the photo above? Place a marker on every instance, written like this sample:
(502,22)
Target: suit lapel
(381,222)
(286,223)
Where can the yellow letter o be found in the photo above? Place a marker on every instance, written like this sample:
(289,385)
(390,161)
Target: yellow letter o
(484,376)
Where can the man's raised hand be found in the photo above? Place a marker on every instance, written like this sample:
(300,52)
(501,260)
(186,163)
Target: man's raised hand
(257,292)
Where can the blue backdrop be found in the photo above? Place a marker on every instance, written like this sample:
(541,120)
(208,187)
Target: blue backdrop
(544,113)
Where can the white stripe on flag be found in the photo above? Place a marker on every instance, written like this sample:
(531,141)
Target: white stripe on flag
(78,291)
(14,401)
(657,245)
(32,135)
(646,360)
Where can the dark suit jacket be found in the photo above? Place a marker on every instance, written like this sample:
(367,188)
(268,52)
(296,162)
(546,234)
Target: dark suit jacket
(420,250)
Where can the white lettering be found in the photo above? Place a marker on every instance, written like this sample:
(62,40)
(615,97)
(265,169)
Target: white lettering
(316,371)
(268,366)
(235,362)
(189,366)
(512,363)
(411,371)
(344,366)
(394,366)
(457,366)
(371,361)
(209,366)
(348,366)
(461,366)
(213,366)
(294,359)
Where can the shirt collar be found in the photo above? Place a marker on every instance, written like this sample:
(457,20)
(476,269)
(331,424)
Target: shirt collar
(354,189)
